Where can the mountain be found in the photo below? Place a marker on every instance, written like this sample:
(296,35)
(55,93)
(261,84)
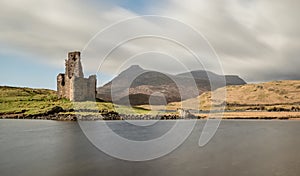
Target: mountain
(137,86)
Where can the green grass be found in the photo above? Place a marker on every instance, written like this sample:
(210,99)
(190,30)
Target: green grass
(14,100)
(29,101)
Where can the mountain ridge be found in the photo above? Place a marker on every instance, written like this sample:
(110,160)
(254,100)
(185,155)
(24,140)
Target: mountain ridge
(141,84)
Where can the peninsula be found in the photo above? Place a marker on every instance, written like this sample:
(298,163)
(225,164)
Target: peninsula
(78,97)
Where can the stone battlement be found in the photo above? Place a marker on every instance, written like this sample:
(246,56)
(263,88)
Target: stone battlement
(72,84)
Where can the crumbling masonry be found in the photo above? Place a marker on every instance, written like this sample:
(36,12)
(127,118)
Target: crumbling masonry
(72,84)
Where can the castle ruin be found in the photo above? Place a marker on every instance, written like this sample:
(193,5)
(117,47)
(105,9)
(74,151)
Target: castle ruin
(72,84)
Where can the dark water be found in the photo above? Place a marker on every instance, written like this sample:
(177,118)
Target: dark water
(239,148)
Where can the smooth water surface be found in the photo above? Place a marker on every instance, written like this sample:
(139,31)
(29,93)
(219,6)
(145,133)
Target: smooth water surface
(33,147)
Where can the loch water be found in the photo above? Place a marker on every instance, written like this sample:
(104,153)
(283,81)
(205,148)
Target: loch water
(239,147)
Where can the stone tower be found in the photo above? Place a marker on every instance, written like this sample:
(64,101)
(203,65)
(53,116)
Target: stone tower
(72,84)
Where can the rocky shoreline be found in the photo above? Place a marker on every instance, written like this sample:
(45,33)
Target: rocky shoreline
(116,116)
(59,114)
(107,116)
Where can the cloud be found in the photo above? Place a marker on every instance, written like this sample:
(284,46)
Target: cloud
(47,30)
(257,39)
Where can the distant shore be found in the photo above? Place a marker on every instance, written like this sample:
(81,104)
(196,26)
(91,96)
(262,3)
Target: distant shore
(259,115)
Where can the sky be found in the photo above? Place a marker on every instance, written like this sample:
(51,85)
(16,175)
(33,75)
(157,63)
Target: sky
(259,40)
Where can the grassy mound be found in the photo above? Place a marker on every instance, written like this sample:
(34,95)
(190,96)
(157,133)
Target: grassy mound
(14,100)
(28,101)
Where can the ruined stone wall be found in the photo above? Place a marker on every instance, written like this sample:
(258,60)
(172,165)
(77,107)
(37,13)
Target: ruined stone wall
(73,65)
(92,84)
(83,88)
(79,89)
(72,85)
(60,85)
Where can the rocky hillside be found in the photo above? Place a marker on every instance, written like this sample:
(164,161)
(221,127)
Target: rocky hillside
(143,86)
(284,95)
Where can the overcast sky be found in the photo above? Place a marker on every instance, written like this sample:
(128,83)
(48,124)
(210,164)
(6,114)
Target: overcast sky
(259,40)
